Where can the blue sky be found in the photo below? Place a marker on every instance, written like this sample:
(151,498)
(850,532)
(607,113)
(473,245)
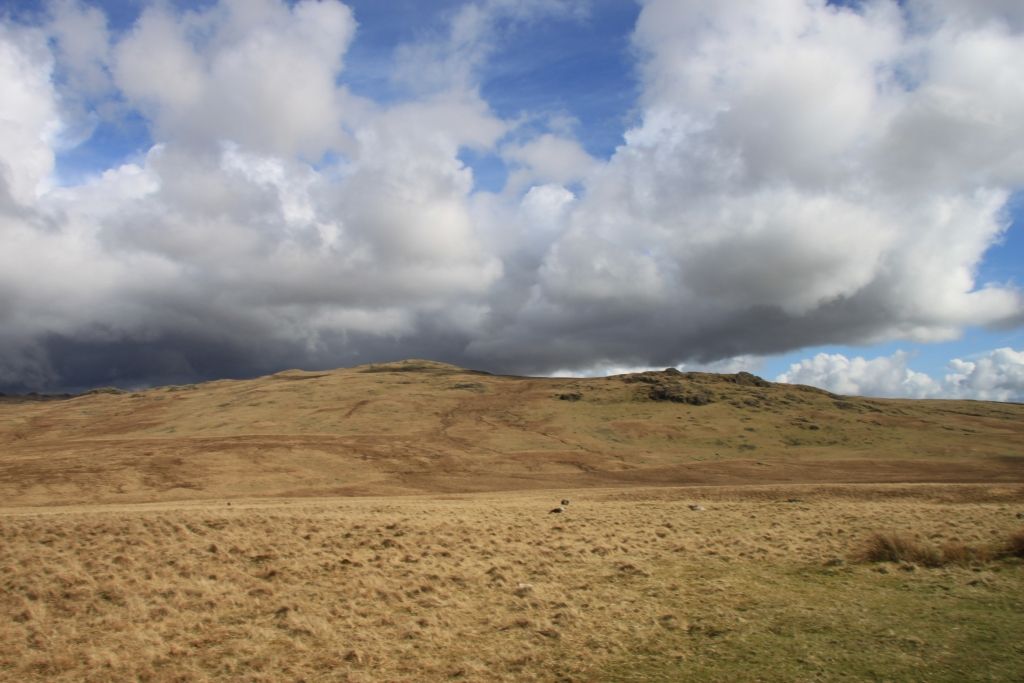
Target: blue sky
(572,186)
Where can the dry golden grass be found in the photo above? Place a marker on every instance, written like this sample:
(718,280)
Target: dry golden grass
(624,585)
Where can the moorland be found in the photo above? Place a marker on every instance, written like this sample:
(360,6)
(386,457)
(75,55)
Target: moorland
(393,522)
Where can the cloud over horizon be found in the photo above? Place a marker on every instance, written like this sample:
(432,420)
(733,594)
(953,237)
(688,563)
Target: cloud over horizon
(996,375)
(795,175)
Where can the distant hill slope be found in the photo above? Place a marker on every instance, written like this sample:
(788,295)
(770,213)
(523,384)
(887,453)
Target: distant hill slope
(425,427)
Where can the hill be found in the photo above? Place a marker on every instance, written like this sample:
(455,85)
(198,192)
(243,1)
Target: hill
(425,427)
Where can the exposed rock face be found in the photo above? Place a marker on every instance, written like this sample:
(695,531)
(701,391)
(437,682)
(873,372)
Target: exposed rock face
(678,393)
(747,379)
(690,388)
(671,385)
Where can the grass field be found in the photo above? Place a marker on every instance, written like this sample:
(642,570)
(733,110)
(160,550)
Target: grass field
(762,584)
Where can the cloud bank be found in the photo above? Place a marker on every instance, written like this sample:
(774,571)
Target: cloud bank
(797,174)
(993,376)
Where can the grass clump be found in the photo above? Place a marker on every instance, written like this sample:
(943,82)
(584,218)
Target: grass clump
(963,554)
(1015,544)
(900,548)
(893,547)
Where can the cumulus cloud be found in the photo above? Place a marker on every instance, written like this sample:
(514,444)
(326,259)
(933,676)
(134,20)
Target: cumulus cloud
(29,118)
(549,158)
(225,249)
(798,174)
(257,72)
(883,376)
(996,375)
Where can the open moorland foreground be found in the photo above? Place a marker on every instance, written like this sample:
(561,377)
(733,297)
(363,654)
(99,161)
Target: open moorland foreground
(394,523)
(762,584)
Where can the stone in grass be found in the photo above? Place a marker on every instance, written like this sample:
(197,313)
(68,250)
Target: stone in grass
(523,589)
(668,622)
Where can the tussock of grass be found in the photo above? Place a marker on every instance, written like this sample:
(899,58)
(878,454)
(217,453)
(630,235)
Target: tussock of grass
(964,554)
(895,547)
(1015,544)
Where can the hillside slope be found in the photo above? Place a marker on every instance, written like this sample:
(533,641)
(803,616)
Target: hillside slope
(420,426)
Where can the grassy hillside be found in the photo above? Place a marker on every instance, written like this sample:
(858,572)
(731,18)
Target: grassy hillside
(421,426)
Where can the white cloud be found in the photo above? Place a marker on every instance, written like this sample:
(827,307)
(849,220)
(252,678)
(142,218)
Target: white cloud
(29,119)
(550,159)
(996,375)
(255,72)
(974,13)
(801,174)
(882,376)
(726,365)
(83,46)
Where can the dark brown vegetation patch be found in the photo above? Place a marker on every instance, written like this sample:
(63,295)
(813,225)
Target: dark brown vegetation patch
(677,393)
(892,547)
(902,548)
(1015,544)
(413,366)
(746,379)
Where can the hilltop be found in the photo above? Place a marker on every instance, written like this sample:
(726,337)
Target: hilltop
(425,427)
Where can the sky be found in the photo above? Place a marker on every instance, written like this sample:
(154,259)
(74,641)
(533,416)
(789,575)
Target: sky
(828,193)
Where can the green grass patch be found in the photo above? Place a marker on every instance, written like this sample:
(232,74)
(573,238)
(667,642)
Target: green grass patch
(772,623)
